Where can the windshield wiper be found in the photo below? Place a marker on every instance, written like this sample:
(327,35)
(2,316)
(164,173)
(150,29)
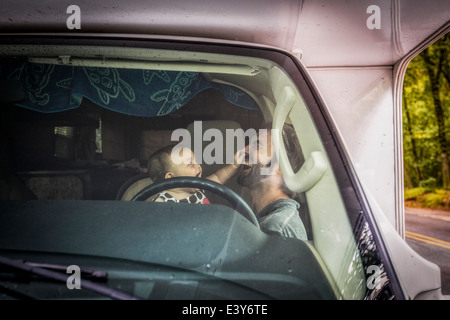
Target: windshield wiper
(94,275)
(42,270)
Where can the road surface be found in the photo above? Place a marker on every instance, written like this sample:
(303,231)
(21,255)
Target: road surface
(427,231)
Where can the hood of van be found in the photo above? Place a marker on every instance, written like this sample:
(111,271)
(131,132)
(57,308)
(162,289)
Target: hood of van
(322,32)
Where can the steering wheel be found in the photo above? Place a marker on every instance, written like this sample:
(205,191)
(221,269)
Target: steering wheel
(205,184)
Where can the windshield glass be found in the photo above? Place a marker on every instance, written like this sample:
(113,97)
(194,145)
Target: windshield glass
(211,161)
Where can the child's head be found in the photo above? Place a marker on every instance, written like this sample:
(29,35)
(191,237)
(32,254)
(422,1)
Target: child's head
(161,165)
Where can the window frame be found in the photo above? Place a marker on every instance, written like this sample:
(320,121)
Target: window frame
(355,202)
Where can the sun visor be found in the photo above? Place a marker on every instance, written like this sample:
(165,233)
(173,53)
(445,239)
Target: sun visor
(139,92)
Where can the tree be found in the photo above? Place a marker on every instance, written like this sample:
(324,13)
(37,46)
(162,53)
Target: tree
(407,125)
(436,63)
(425,116)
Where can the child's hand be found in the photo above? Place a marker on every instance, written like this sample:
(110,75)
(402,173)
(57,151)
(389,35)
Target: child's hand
(239,157)
(225,173)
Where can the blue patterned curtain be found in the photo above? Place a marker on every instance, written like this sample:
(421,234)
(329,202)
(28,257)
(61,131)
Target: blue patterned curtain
(149,93)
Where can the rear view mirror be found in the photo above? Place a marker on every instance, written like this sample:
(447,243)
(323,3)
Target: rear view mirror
(12,91)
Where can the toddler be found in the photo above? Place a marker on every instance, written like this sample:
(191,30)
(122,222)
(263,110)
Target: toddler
(161,167)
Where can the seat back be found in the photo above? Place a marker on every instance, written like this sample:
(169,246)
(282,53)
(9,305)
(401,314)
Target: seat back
(132,186)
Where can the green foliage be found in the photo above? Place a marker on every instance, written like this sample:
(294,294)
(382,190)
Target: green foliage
(438,199)
(429,183)
(427,198)
(414,193)
(423,162)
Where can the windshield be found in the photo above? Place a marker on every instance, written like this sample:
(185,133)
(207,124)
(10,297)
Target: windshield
(214,161)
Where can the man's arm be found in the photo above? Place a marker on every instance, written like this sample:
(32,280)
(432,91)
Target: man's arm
(224,174)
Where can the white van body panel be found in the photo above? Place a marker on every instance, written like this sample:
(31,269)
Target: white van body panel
(339,33)
(361,104)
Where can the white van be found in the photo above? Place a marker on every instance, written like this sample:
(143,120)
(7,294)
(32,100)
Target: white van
(91,90)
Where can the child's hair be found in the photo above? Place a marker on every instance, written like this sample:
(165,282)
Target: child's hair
(159,163)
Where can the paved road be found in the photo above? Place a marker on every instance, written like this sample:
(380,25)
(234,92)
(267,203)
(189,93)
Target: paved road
(428,233)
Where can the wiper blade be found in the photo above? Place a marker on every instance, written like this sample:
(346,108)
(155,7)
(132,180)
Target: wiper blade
(95,275)
(50,274)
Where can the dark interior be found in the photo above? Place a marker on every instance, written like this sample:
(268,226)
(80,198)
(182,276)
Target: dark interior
(44,163)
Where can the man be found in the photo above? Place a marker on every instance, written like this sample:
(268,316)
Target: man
(277,212)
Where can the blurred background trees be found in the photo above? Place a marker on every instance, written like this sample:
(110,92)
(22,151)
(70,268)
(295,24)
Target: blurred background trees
(426,126)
